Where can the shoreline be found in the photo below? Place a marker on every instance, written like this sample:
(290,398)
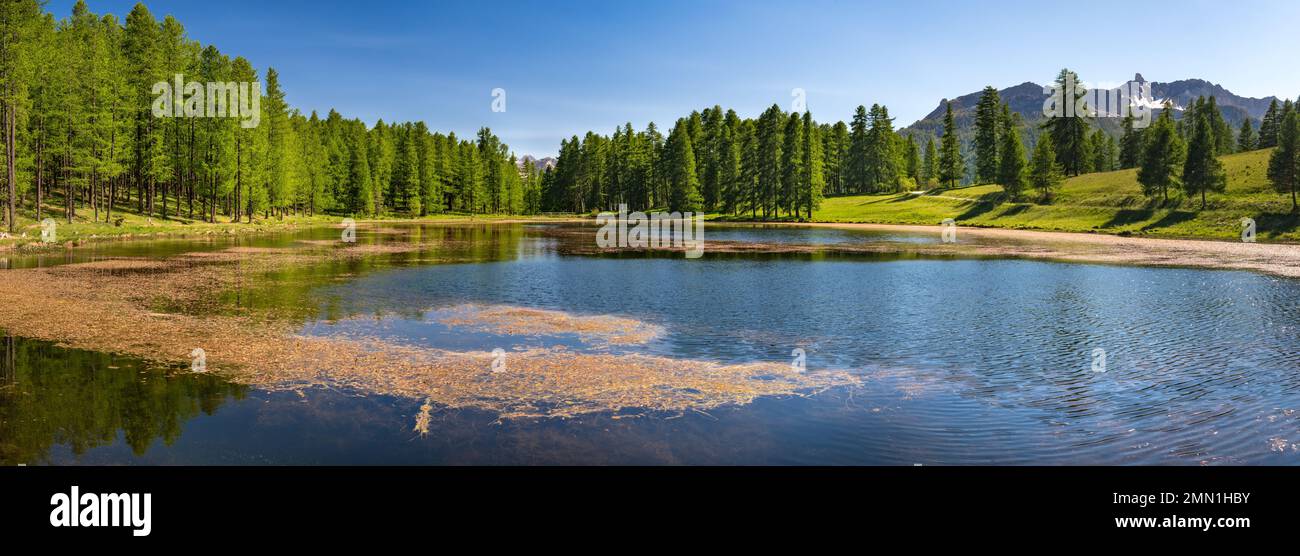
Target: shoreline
(1276,259)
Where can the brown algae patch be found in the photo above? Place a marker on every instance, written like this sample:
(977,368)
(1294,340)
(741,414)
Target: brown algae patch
(525,321)
(543,382)
(112,306)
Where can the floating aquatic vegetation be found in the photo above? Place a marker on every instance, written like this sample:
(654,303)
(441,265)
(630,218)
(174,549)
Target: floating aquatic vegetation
(112,306)
(525,321)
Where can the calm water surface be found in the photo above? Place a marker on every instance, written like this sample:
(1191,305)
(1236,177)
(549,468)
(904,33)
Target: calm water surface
(964,361)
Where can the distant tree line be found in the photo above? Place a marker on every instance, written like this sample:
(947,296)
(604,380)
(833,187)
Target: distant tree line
(75,104)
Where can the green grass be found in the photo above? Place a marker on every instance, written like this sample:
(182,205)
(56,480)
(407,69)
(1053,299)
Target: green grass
(1109,202)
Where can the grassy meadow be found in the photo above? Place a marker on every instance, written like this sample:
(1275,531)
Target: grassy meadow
(1106,202)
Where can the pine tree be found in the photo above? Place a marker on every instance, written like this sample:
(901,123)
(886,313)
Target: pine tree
(1268,126)
(729,159)
(1284,162)
(278,144)
(683,184)
(814,179)
(882,162)
(836,152)
(1011,164)
(1044,171)
(951,165)
(1220,131)
(1163,154)
(792,166)
(18,25)
(987,113)
(144,68)
(1130,145)
(359,175)
(857,179)
(1246,140)
(929,163)
(912,160)
(1103,149)
(1069,130)
(770,141)
(1202,171)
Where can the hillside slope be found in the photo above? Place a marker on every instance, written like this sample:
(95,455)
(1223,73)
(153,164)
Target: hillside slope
(1109,202)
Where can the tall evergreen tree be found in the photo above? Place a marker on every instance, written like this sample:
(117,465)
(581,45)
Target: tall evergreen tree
(951,166)
(859,147)
(1202,171)
(882,163)
(929,163)
(814,179)
(683,184)
(792,166)
(1268,126)
(1130,145)
(912,160)
(1163,155)
(1069,130)
(1246,140)
(1044,171)
(1284,162)
(1011,163)
(987,114)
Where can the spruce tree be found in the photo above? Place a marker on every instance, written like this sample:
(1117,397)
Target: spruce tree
(1070,129)
(1220,131)
(929,163)
(1130,144)
(882,164)
(1268,126)
(1284,163)
(1246,140)
(986,136)
(912,160)
(1044,171)
(1162,157)
(1202,170)
(792,170)
(683,184)
(951,165)
(1011,162)
(814,180)
(857,180)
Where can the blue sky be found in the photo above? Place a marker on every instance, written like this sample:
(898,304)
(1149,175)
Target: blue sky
(569,67)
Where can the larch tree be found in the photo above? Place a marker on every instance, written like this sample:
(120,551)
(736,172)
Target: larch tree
(1011,160)
(987,114)
(814,179)
(1162,156)
(1284,162)
(1069,130)
(1044,171)
(1202,171)
(951,166)
(1268,126)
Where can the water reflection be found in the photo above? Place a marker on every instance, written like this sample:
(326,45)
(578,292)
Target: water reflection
(75,400)
(968,360)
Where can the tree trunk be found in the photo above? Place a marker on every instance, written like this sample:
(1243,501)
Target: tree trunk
(11,159)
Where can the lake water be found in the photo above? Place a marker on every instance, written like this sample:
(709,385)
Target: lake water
(963,361)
